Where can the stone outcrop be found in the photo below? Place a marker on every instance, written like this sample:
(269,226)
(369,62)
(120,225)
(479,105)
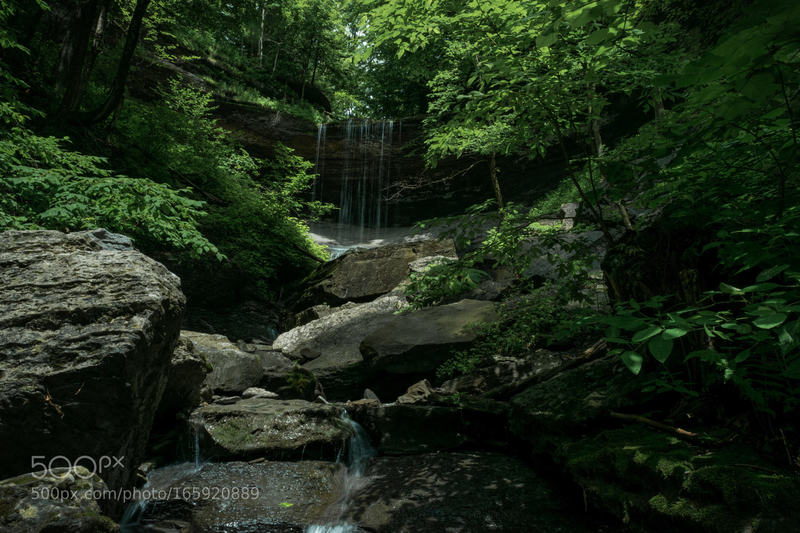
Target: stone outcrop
(87,329)
(271,428)
(574,398)
(506,375)
(363,275)
(59,501)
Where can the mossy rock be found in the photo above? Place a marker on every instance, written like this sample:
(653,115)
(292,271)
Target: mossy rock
(654,480)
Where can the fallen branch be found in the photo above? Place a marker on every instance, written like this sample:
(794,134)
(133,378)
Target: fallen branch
(678,432)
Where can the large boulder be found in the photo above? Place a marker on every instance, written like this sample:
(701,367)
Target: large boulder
(271,428)
(61,500)
(329,346)
(87,329)
(415,344)
(363,275)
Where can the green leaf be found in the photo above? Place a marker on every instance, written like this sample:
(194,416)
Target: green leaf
(771,272)
(729,289)
(770,321)
(286,504)
(661,348)
(674,333)
(646,333)
(545,40)
(633,361)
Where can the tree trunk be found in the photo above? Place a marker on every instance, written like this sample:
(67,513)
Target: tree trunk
(316,64)
(275,62)
(73,55)
(97,36)
(117,92)
(495,182)
(261,38)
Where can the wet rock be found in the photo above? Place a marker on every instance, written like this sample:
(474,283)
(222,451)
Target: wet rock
(225,400)
(87,329)
(275,368)
(464,492)
(417,343)
(319,311)
(62,501)
(269,496)
(416,393)
(271,428)
(232,370)
(363,275)
(187,372)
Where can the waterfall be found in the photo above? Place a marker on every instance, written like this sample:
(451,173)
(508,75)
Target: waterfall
(358,454)
(319,162)
(365,171)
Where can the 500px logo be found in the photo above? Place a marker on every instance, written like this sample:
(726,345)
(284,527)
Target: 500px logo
(89,463)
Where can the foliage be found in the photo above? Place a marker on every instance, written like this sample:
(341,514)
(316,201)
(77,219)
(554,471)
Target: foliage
(720,154)
(44,184)
(726,159)
(255,210)
(538,319)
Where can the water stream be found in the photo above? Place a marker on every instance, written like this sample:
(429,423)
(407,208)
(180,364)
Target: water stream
(359,451)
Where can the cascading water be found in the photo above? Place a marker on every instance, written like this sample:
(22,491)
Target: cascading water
(366,161)
(359,451)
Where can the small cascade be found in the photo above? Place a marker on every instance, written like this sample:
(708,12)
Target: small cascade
(131,518)
(358,454)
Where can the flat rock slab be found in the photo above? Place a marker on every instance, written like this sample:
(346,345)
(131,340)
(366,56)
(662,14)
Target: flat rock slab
(419,342)
(271,428)
(272,496)
(456,492)
(87,330)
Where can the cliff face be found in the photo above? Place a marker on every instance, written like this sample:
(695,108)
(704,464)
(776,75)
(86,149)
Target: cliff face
(374,170)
